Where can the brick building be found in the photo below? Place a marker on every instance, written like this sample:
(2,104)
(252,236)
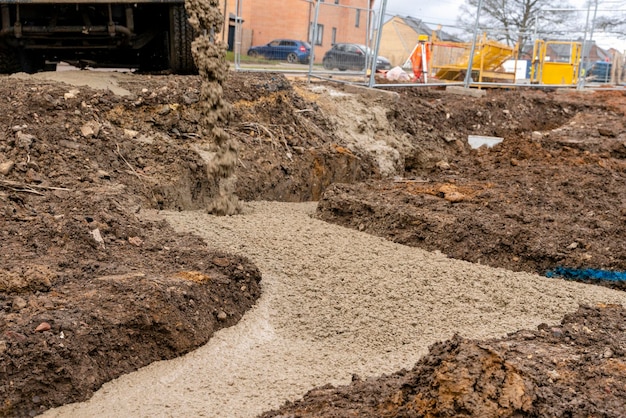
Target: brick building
(265,20)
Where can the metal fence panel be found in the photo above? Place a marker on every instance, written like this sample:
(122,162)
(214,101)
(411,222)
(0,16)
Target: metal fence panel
(269,36)
(296,35)
(345,40)
(416,50)
(342,39)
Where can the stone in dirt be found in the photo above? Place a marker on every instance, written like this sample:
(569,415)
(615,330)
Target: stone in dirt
(578,371)
(44,326)
(6,167)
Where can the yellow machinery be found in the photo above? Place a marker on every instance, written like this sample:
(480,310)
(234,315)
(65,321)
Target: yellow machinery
(451,59)
(562,69)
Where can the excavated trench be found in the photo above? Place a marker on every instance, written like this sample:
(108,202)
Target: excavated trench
(393,164)
(297,139)
(399,165)
(337,302)
(395,160)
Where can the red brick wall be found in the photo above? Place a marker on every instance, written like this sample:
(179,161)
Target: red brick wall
(265,20)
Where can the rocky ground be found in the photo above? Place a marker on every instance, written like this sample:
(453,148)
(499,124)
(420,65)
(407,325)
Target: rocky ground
(575,369)
(550,195)
(90,289)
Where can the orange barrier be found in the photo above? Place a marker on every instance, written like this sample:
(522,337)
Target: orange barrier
(420,60)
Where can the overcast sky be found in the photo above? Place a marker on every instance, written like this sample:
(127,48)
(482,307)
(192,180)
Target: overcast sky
(442,12)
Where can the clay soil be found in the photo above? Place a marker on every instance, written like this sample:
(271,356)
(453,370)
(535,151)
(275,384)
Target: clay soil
(568,370)
(550,195)
(90,289)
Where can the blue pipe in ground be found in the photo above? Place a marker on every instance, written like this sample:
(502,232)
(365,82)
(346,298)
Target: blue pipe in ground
(582,274)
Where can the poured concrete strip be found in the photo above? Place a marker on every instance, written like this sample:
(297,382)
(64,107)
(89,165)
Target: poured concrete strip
(336,302)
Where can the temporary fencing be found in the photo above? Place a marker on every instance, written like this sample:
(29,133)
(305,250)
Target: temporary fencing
(349,41)
(345,25)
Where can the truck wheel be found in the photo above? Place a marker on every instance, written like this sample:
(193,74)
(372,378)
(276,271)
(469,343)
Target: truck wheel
(180,38)
(9,62)
(15,61)
(31,62)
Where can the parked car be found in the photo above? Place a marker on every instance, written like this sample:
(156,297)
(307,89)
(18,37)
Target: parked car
(599,72)
(352,56)
(288,50)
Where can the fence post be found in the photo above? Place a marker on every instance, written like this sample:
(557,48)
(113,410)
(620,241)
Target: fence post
(313,39)
(585,58)
(379,34)
(238,34)
(470,64)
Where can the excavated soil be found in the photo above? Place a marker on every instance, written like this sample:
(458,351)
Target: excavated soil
(91,289)
(550,195)
(575,369)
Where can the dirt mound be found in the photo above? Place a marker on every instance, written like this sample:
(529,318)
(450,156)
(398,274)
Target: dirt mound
(576,369)
(290,148)
(548,196)
(90,288)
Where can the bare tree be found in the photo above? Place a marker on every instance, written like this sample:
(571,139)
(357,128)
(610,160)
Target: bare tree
(613,23)
(514,21)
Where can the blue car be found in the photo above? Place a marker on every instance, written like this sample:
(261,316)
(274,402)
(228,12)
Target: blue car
(599,72)
(288,50)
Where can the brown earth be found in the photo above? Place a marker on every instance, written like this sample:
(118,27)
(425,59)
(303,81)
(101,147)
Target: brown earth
(89,291)
(549,195)
(575,369)
(78,165)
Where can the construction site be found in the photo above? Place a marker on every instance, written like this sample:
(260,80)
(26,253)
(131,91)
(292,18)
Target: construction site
(299,244)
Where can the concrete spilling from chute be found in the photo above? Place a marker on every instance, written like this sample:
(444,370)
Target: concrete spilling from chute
(209,54)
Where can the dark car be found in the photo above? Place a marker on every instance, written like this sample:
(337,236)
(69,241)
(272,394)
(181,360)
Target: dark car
(288,50)
(352,57)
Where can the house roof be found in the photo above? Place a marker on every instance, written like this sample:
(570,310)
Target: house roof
(422,28)
(564,50)
(600,53)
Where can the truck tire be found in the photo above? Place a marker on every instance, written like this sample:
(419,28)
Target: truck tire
(9,61)
(181,36)
(31,62)
(13,60)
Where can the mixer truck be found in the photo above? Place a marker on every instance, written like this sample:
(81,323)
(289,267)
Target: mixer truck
(148,35)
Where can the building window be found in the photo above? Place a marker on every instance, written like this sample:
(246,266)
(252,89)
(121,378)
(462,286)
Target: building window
(336,1)
(358,18)
(334,37)
(320,34)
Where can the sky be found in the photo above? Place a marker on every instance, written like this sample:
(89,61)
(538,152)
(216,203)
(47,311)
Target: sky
(444,12)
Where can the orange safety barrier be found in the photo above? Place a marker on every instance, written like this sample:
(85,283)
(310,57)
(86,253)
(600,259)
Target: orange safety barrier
(420,60)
